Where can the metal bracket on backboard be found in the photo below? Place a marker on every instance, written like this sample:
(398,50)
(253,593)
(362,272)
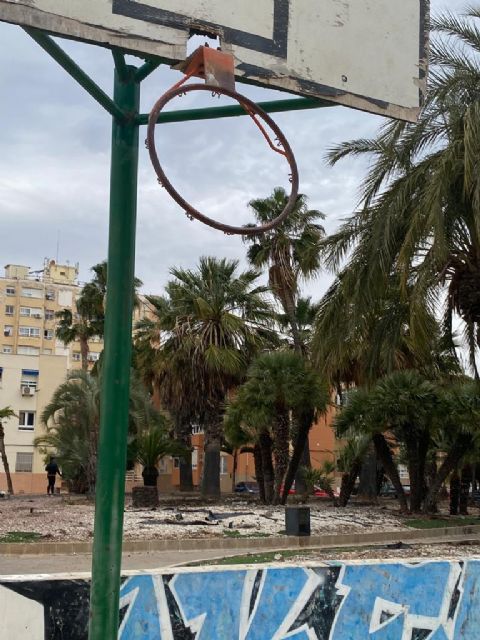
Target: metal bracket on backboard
(213,65)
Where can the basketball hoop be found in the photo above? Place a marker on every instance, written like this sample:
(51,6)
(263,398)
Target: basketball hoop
(217,68)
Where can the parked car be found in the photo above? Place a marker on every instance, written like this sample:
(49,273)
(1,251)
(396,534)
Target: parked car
(246,487)
(317,492)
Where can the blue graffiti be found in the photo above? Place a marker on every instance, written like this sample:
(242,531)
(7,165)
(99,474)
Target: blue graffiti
(142,618)
(210,607)
(432,600)
(468,619)
(380,600)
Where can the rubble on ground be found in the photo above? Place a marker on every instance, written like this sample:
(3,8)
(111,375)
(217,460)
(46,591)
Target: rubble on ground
(71,518)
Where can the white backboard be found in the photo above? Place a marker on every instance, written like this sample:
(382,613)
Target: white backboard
(366,54)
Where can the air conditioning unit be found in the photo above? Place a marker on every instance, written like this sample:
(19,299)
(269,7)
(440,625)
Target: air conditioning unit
(27,391)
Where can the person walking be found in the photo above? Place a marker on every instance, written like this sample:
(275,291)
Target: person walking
(52,470)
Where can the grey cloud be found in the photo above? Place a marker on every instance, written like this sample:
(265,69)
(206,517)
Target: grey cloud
(54,165)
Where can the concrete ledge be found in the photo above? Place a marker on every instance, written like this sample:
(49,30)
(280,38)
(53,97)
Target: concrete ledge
(283,542)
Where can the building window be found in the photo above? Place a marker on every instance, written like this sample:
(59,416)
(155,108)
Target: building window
(93,357)
(29,312)
(10,291)
(7,348)
(224,465)
(50,295)
(9,310)
(176,463)
(194,458)
(47,352)
(1,375)
(48,334)
(49,314)
(26,420)
(31,293)
(29,379)
(29,332)
(8,330)
(76,357)
(24,462)
(26,350)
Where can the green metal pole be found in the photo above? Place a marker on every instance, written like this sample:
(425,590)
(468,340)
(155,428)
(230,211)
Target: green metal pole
(112,450)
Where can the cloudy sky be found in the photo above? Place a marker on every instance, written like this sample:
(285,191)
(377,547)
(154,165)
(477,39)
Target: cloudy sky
(54,166)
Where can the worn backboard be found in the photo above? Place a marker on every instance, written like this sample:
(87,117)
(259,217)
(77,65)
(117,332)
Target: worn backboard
(366,54)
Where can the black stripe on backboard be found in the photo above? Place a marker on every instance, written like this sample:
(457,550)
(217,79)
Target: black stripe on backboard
(276,46)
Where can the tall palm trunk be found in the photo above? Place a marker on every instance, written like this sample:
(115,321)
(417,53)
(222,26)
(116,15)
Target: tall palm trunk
(3,455)
(84,351)
(257,457)
(451,462)
(183,433)
(384,454)
(281,439)
(211,458)
(92,459)
(234,470)
(454,493)
(465,481)
(267,465)
(298,456)
(417,450)
(348,482)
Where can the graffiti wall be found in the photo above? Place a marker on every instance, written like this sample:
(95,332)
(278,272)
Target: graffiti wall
(391,601)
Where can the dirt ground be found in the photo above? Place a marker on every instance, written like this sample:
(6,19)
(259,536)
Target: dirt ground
(70,519)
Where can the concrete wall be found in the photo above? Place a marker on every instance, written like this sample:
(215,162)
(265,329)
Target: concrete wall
(435,600)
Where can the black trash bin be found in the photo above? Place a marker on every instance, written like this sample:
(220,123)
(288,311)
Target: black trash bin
(297,521)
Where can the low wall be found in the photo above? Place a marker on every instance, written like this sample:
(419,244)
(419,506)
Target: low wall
(435,600)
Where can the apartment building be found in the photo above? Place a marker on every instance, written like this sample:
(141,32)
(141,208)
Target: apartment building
(33,362)
(27,384)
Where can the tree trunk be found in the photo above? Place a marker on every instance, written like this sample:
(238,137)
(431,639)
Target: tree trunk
(234,471)
(300,449)
(385,456)
(465,481)
(211,469)
(367,487)
(417,450)
(92,459)
(183,433)
(84,351)
(451,462)
(454,493)
(281,439)
(267,465)
(211,459)
(257,457)
(348,482)
(6,466)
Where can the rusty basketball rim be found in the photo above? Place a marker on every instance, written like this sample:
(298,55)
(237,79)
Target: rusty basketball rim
(257,114)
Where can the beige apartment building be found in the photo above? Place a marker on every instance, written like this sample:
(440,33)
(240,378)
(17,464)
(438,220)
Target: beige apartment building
(33,362)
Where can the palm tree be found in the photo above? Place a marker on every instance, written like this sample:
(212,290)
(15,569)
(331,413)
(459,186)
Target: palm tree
(5,414)
(280,388)
(291,251)
(350,464)
(210,324)
(72,420)
(420,209)
(89,320)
